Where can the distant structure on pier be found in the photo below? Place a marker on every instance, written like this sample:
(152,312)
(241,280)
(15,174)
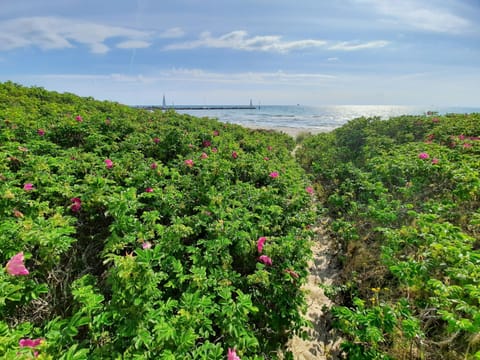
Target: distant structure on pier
(198,107)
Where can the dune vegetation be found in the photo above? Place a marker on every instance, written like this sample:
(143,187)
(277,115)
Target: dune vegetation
(134,234)
(128,234)
(403,200)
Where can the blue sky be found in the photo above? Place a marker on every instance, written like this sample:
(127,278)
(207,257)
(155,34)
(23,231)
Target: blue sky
(312,52)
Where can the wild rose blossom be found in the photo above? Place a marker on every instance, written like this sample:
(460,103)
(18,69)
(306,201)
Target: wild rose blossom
(41,132)
(260,242)
(189,162)
(156,140)
(423,156)
(234,155)
(15,265)
(309,190)
(204,156)
(214,149)
(146,245)
(79,118)
(30,343)
(153,166)
(274,174)
(435,161)
(149,190)
(232,355)
(76,204)
(216,132)
(109,163)
(206,143)
(28,187)
(265,259)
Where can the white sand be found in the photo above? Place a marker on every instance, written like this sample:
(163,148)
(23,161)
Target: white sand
(292,131)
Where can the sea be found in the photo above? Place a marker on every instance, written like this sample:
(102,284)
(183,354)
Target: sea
(316,118)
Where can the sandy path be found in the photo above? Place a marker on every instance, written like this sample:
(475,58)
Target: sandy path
(322,342)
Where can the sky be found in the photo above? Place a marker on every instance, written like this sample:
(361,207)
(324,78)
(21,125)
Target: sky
(277,52)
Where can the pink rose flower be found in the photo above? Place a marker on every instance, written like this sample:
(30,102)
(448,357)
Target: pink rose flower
(153,166)
(423,156)
(260,243)
(309,190)
(189,162)
(156,140)
(31,343)
(203,156)
(109,163)
(28,187)
(76,204)
(214,149)
(15,265)
(41,132)
(234,155)
(79,118)
(265,259)
(232,355)
(435,161)
(274,174)
(149,190)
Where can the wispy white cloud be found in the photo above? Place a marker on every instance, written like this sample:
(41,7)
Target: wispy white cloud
(59,33)
(172,33)
(353,46)
(430,16)
(240,40)
(133,44)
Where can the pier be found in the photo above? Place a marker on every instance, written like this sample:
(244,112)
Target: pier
(197,107)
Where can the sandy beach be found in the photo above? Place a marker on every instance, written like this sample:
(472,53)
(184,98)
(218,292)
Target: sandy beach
(292,131)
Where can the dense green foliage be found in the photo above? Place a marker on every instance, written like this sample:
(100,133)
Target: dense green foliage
(403,196)
(139,232)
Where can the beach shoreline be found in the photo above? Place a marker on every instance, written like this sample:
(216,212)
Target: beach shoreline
(291,131)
